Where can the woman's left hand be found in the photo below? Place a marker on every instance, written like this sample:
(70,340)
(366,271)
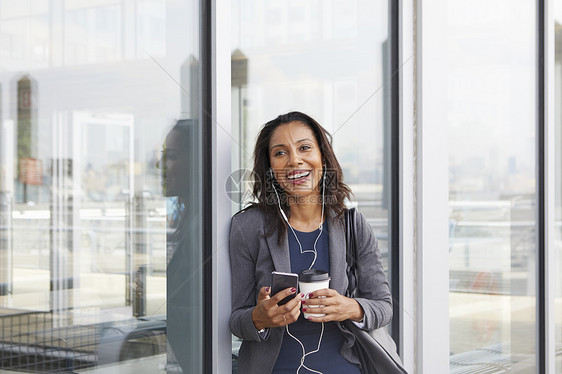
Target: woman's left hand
(336,307)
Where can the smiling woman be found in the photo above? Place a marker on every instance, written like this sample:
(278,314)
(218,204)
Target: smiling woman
(297,225)
(296,159)
(298,150)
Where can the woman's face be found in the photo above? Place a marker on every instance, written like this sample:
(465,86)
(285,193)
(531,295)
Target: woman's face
(174,165)
(296,159)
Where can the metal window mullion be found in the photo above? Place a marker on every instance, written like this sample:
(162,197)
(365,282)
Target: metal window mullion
(207,189)
(546,58)
(406,189)
(223,143)
(395,170)
(431,189)
(541,208)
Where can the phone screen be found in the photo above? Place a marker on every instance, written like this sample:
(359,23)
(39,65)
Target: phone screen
(281,281)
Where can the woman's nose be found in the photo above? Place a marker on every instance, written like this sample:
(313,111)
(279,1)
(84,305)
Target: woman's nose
(294,159)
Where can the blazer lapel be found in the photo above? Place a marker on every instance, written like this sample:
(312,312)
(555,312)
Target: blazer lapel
(279,252)
(338,274)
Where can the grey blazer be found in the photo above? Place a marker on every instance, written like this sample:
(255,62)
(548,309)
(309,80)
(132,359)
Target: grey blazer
(252,259)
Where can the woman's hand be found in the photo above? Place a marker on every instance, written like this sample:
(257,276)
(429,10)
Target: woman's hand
(335,306)
(268,314)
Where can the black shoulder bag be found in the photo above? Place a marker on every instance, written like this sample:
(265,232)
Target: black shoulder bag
(375,348)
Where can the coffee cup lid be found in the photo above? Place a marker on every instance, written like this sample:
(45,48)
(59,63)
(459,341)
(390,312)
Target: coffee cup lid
(313,275)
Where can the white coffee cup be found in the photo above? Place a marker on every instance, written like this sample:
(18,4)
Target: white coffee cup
(310,281)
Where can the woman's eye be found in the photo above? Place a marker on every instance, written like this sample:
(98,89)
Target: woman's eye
(279,153)
(305,148)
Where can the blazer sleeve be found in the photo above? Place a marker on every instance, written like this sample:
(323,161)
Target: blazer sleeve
(373,291)
(243,278)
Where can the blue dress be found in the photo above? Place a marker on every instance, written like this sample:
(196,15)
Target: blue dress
(328,359)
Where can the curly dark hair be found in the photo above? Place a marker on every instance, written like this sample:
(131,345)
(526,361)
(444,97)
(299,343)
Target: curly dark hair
(265,185)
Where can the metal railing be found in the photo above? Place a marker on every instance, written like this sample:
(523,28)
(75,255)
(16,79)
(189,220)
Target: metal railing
(31,342)
(46,342)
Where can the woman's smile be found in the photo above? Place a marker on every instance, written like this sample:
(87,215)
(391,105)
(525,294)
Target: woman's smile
(298,176)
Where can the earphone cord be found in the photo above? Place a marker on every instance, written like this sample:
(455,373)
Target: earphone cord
(321,227)
(304,354)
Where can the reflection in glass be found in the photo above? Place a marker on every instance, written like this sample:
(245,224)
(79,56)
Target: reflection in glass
(331,61)
(88,91)
(492,194)
(179,173)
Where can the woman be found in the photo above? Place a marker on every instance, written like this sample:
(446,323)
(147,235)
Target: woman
(297,224)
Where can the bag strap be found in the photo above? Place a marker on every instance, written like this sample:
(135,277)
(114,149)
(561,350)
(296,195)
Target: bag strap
(390,362)
(351,252)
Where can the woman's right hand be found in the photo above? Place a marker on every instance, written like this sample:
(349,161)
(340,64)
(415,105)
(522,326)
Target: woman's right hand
(268,314)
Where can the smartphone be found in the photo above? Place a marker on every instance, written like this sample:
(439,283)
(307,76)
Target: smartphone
(281,281)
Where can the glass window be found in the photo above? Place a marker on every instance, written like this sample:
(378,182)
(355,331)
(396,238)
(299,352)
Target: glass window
(492,118)
(331,60)
(100,260)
